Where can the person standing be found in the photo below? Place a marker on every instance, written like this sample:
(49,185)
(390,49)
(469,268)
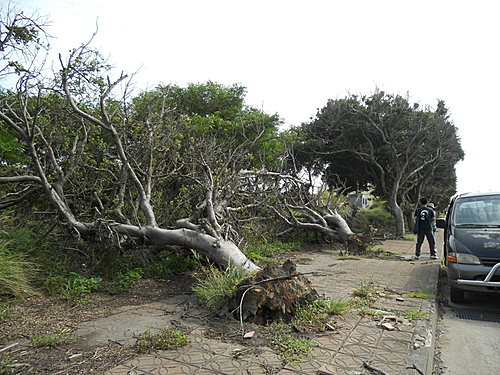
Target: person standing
(426,218)
(434,227)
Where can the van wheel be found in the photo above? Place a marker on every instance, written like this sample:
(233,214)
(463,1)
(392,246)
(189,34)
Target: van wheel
(456,295)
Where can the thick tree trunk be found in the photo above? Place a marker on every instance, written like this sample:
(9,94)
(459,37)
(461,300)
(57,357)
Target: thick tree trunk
(397,213)
(223,253)
(341,227)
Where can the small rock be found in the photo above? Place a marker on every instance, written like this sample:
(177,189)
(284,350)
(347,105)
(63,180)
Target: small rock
(249,335)
(404,321)
(236,352)
(420,338)
(329,327)
(416,345)
(400,299)
(388,326)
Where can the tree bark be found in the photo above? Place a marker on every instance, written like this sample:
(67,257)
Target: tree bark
(223,253)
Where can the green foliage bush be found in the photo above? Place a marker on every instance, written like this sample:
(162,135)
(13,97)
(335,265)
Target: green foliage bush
(73,287)
(125,280)
(376,217)
(170,265)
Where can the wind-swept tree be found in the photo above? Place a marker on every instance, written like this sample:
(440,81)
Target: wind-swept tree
(381,141)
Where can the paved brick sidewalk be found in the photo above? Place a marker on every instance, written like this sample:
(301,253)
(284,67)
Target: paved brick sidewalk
(358,339)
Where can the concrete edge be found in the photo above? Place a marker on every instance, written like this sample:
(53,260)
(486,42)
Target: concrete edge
(423,342)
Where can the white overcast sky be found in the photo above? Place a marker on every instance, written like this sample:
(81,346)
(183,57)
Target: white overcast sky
(295,55)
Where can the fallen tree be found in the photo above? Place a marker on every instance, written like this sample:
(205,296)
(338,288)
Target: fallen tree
(84,156)
(148,169)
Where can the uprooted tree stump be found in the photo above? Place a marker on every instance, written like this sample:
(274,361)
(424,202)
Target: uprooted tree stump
(356,244)
(272,294)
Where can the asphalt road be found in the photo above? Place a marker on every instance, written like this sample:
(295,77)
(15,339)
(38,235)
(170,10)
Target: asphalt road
(468,335)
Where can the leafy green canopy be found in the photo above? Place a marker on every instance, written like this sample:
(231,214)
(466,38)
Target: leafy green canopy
(381,141)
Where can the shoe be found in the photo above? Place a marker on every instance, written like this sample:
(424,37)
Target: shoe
(434,257)
(415,257)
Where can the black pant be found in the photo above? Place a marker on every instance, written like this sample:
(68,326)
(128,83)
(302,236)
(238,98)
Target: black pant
(430,239)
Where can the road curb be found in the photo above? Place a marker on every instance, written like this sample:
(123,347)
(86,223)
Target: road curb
(421,354)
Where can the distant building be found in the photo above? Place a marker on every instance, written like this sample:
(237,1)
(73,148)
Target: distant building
(360,200)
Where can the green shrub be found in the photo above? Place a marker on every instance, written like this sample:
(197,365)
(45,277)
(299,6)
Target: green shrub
(75,288)
(172,265)
(215,289)
(21,239)
(168,338)
(125,280)
(375,217)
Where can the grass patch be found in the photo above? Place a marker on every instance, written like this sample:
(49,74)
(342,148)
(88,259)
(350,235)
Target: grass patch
(215,289)
(4,311)
(317,314)
(14,273)
(52,340)
(415,314)
(366,290)
(381,253)
(370,311)
(348,257)
(168,338)
(291,347)
(423,294)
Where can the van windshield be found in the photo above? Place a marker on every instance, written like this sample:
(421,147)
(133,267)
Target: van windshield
(478,211)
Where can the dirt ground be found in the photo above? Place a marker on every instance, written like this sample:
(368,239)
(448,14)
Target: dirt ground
(50,314)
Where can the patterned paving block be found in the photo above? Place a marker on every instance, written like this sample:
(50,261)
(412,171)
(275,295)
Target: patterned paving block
(346,362)
(359,352)
(329,342)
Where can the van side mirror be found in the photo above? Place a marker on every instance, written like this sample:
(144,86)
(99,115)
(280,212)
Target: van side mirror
(441,222)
